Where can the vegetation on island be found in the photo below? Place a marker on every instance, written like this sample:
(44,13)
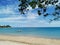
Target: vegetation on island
(42,4)
(7,26)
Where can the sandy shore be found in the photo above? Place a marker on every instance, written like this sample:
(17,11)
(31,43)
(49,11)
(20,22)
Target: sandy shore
(10,43)
(30,40)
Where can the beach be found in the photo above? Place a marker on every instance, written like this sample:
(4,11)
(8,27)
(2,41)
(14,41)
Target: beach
(26,40)
(30,36)
(10,43)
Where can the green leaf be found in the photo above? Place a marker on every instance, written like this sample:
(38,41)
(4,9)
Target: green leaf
(33,4)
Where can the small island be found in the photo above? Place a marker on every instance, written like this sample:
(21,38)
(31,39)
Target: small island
(7,26)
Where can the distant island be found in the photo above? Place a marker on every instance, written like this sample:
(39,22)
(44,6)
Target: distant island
(7,26)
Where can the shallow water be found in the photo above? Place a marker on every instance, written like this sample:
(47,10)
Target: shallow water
(48,32)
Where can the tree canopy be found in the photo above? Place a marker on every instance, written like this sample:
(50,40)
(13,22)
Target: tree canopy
(42,4)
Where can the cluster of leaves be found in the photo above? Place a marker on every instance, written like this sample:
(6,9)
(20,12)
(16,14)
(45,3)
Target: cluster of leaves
(42,4)
(23,5)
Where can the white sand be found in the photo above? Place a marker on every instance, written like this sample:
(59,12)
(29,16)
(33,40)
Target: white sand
(10,43)
(25,40)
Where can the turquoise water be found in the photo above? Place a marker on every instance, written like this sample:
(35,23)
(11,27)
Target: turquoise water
(48,32)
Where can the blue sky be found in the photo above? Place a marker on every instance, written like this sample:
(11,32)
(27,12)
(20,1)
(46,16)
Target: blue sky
(9,15)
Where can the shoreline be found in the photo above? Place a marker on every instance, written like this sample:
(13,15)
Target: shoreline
(29,40)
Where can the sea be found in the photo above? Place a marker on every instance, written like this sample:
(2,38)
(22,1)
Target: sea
(44,32)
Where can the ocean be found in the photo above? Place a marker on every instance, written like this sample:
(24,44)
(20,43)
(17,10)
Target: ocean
(45,32)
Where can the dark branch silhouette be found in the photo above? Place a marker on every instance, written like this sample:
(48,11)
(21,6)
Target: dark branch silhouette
(42,4)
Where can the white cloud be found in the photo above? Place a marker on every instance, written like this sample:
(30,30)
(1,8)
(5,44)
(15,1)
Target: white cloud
(31,15)
(11,19)
(6,11)
(9,9)
(29,22)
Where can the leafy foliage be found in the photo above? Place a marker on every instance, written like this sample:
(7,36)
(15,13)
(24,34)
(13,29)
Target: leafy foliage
(42,4)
